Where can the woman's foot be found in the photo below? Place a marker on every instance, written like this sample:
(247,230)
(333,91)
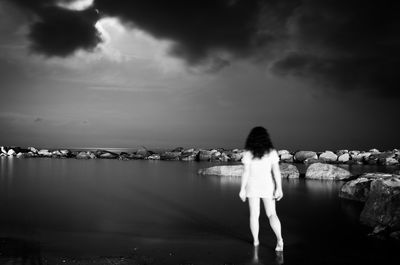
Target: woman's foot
(256,243)
(279,245)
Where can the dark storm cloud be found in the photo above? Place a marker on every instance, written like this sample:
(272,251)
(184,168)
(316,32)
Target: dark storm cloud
(345,44)
(342,44)
(57,31)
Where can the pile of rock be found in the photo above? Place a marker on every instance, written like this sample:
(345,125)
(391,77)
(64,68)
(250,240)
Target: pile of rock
(370,157)
(179,153)
(381,194)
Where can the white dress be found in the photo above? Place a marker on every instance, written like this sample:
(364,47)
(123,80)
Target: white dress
(260,181)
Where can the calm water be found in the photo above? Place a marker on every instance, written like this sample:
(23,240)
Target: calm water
(164,210)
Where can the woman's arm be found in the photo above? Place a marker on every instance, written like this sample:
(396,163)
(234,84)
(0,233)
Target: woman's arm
(276,171)
(245,178)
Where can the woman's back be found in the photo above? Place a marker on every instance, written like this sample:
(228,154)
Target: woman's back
(260,183)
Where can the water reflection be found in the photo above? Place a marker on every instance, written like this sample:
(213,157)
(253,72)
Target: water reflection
(255,260)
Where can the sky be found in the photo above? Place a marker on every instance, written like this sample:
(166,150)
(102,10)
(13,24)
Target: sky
(319,75)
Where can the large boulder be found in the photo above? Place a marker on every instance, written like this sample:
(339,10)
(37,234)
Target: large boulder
(104,154)
(226,171)
(178,149)
(11,152)
(328,156)
(382,208)
(83,155)
(3,150)
(170,155)
(344,158)
(45,153)
(327,171)
(142,153)
(154,157)
(358,189)
(287,158)
(189,155)
(341,152)
(33,149)
(108,155)
(204,155)
(300,156)
(235,155)
(283,152)
(287,171)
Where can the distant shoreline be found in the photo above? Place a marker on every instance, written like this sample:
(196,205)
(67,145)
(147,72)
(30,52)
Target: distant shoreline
(370,157)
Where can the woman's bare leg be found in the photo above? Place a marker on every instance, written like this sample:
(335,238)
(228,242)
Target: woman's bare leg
(254,206)
(270,210)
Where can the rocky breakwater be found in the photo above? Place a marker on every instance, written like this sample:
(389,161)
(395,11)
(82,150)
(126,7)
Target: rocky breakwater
(370,157)
(177,154)
(381,195)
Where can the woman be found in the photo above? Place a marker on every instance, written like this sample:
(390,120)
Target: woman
(262,179)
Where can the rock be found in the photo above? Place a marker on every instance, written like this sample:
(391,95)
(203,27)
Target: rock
(300,156)
(65,152)
(341,152)
(154,157)
(142,152)
(357,190)
(326,171)
(226,171)
(188,157)
(235,156)
(354,152)
(287,158)
(170,155)
(3,150)
(289,171)
(108,155)
(11,152)
(387,158)
(204,155)
(328,156)
(45,153)
(361,157)
(224,157)
(309,161)
(372,159)
(83,155)
(33,150)
(178,149)
(283,152)
(21,155)
(344,158)
(215,156)
(104,154)
(383,204)
(395,235)
(374,151)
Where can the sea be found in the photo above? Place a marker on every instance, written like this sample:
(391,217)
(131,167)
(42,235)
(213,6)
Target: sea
(163,212)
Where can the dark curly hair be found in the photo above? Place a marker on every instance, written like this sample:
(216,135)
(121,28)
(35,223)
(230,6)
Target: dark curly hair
(258,142)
